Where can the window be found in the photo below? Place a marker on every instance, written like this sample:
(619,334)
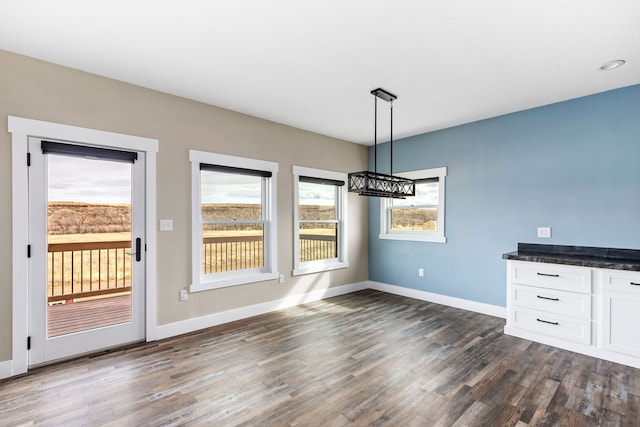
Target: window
(319,220)
(418,218)
(233,220)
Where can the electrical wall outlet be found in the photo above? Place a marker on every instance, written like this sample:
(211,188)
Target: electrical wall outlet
(281,278)
(544,232)
(184,295)
(421,272)
(166,225)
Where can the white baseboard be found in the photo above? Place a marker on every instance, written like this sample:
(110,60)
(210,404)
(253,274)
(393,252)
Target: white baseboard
(5,369)
(478,307)
(195,324)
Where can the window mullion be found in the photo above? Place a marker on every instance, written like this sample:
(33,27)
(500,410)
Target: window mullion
(243,221)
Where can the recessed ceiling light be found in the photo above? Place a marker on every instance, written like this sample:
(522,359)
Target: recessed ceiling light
(613,64)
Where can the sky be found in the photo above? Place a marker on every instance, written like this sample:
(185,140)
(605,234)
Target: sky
(74,179)
(426,194)
(217,187)
(316,194)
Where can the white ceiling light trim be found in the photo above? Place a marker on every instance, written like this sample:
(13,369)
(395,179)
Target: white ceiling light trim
(612,65)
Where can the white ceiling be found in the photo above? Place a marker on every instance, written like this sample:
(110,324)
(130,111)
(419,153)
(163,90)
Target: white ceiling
(311,64)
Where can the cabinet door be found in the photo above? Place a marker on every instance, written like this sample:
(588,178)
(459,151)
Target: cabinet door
(620,323)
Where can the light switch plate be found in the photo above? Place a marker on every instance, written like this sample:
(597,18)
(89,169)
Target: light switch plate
(166,225)
(544,232)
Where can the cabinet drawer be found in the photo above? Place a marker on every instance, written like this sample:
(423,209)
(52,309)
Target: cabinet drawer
(565,278)
(571,329)
(620,280)
(553,301)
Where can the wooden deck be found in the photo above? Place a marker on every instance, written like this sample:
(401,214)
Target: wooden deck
(83,315)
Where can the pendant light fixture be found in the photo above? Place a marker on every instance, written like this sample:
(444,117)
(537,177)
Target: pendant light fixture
(367,183)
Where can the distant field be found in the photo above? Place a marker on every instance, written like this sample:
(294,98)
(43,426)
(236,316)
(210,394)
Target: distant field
(97,220)
(83,218)
(414,219)
(93,270)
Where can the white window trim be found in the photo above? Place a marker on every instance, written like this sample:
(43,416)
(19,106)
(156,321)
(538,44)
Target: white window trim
(300,268)
(418,236)
(21,129)
(202,282)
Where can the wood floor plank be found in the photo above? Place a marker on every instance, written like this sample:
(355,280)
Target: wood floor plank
(632,411)
(508,415)
(364,359)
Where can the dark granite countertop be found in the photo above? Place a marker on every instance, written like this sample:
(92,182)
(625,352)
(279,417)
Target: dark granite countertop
(584,256)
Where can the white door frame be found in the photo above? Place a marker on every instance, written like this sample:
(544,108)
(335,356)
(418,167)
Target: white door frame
(21,129)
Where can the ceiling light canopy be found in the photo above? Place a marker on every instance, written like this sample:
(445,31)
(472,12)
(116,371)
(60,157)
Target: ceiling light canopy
(367,183)
(611,65)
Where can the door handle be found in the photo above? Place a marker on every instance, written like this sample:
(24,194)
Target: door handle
(137,252)
(138,249)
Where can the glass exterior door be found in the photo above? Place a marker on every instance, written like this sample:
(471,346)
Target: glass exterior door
(87,286)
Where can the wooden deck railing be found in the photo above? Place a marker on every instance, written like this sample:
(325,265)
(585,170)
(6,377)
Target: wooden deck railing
(229,253)
(314,247)
(88,269)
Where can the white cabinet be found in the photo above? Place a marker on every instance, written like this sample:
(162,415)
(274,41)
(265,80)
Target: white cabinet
(550,301)
(621,312)
(588,310)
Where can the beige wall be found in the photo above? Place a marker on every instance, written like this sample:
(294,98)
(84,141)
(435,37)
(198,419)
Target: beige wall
(38,90)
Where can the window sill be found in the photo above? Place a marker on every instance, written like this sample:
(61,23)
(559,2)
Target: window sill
(319,268)
(233,280)
(413,238)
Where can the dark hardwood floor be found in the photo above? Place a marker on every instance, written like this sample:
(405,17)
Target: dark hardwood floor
(363,359)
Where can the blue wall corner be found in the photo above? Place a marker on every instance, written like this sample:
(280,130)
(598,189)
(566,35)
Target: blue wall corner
(573,166)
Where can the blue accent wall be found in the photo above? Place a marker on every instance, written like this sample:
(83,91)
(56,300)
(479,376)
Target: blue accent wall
(573,166)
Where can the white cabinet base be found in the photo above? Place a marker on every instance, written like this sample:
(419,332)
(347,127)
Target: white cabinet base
(587,310)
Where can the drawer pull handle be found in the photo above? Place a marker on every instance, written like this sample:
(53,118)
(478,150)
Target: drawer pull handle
(634,283)
(548,275)
(550,299)
(546,321)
